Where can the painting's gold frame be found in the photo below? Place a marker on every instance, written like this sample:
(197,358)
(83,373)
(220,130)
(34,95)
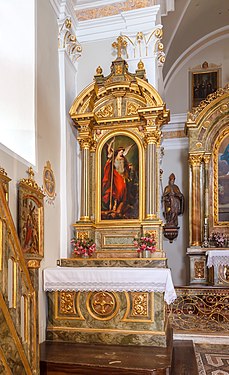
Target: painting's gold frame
(29,189)
(219,140)
(202,71)
(141,177)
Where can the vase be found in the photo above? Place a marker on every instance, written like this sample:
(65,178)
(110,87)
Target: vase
(146,254)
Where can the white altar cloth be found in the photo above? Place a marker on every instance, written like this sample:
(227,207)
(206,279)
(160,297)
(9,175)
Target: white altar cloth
(116,279)
(217,258)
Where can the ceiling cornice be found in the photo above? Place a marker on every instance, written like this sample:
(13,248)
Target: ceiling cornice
(143,19)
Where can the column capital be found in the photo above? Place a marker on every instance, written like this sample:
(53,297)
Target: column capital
(206,158)
(85,137)
(152,136)
(195,159)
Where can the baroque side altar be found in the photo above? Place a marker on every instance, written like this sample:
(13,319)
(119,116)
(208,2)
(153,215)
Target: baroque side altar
(118,120)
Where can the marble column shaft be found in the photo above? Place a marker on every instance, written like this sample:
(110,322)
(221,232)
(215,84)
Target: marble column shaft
(151,184)
(84,210)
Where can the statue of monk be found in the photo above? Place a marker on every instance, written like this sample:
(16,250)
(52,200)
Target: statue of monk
(173,201)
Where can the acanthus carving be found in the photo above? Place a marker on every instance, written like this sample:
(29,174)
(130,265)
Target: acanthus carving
(206,158)
(152,136)
(199,269)
(195,159)
(68,41)
(140,304)
(106,111)
(67,302)
(197,110)
(131,108)
(87,143)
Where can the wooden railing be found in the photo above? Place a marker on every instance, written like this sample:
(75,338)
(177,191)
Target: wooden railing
(19,353)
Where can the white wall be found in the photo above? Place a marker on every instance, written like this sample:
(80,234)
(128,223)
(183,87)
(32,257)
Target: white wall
(177,88)
(94,54)
(47,140)
(48,134)
(176,161)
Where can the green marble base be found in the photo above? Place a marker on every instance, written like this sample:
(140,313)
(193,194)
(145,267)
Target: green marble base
(122,318)
(113,262)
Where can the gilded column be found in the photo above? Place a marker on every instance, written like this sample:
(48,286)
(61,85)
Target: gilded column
(85,144)
(152,138)
(206,159)
(195,162)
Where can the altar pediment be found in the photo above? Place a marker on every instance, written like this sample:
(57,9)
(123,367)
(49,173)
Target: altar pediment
(119,97)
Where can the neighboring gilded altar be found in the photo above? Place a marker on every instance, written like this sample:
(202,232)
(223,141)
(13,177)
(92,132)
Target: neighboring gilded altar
(208,132)
(118,120)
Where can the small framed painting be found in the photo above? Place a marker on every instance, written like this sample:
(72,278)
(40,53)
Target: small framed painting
(204,80)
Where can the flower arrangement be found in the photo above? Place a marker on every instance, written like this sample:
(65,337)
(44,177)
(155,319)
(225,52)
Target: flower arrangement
(84,247)
(218,239)
(146,242)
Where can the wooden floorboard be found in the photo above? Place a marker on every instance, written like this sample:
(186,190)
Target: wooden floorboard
(82,359)
(184,359)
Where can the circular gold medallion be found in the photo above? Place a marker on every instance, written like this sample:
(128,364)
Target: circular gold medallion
(49,186)
(102,305)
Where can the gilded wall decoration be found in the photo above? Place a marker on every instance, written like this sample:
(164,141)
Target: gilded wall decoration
(49,183)
(67,39)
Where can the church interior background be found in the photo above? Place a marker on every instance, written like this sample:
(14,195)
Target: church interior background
(147,79)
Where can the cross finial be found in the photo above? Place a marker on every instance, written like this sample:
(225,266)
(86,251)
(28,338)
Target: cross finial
(30,173)
(119,45)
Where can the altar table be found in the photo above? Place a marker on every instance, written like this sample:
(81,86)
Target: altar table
(218,262)
(109,305)
(114,279)
(217,258)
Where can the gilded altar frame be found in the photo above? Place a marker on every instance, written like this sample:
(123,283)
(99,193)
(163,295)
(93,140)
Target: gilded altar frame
(121,104)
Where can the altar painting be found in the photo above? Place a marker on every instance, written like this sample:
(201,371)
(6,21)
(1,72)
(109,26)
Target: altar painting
(223,180)
(120,179)
(29,225)
(203,84)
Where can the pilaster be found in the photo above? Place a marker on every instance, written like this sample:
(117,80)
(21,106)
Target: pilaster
(69,53)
